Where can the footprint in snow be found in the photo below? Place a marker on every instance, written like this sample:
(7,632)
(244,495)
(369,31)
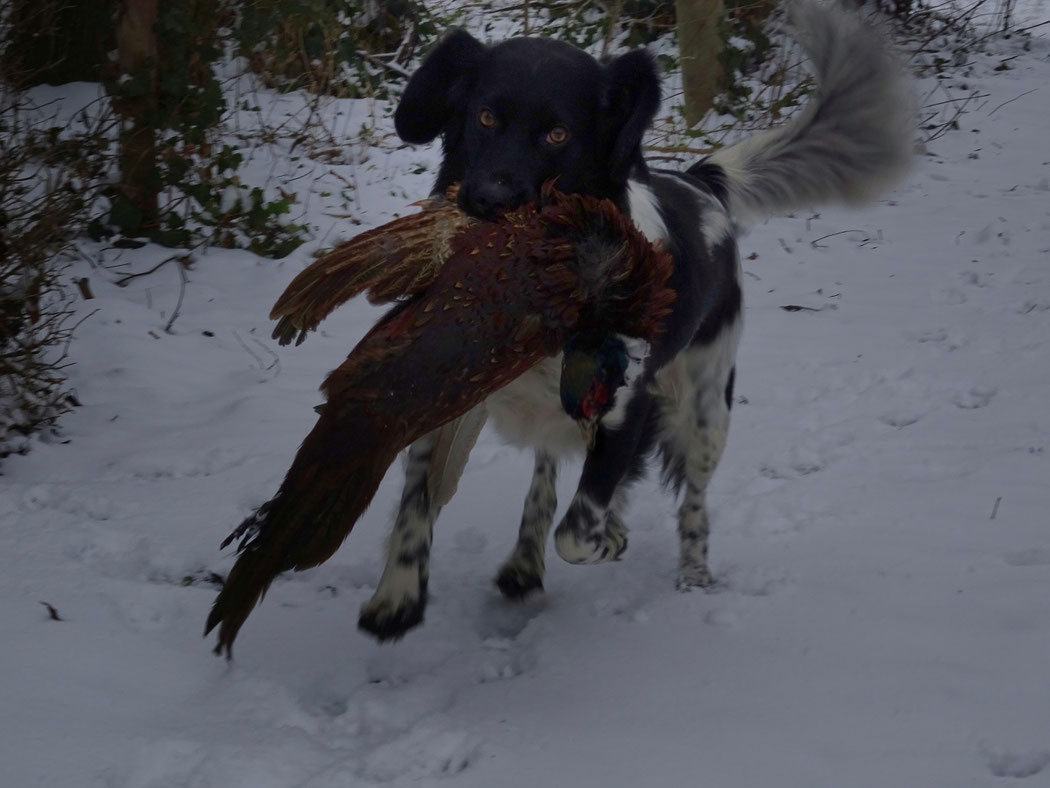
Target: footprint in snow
(931,469)
(148,608)
(1004,763)
(500,619)
(424,752)
(804,458)
(508,643)
(976,397)
(983,235)
(377,712)
(162,466)
(947,296)
(755,581)
(1029,275)
(79,502)
(973,279)
(505,659)
(1033,306)
(162,763)
(903,415)
(939,338)
(1033,556)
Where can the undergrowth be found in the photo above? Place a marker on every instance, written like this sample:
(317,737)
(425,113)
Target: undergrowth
(46,186)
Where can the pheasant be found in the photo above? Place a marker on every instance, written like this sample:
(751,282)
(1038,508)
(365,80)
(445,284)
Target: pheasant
(482,302)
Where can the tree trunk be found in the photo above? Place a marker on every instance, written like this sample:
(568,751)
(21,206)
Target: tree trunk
(137,57)
(699,49)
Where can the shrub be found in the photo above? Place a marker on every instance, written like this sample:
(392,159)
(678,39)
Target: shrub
(346,48)
(45,189)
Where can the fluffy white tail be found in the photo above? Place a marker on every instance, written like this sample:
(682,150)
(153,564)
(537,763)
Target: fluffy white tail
(850,142)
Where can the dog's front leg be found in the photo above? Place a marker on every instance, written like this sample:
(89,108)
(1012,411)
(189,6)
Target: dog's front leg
(592,531)
(400,599)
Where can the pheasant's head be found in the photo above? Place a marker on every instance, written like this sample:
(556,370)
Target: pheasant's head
(596,379)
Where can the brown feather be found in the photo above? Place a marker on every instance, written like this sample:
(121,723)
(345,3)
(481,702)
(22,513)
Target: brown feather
(389,262)
(452,446)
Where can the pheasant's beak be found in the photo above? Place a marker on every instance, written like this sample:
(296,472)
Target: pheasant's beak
(589,431)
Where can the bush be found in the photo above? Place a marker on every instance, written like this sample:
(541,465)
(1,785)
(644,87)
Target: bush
(45,189)
(345,48)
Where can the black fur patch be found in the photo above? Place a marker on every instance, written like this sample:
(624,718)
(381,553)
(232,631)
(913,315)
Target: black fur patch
(713,177)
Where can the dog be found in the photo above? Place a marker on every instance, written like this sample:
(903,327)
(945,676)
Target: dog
(517,114)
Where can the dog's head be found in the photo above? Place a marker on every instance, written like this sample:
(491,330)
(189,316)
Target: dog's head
(519,113)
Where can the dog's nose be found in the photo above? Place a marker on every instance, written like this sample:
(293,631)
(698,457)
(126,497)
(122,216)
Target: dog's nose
(485,197)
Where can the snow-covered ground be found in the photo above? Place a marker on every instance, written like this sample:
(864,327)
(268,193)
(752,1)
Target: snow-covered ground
(881,528)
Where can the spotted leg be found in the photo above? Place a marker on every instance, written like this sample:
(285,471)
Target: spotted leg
(400,599)
(693,435)
(523,571)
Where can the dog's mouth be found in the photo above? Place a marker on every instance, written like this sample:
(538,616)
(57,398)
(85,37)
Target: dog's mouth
(489,199)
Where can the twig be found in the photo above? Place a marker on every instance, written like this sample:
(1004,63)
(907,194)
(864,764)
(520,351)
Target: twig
(406,41)
(612,17)
(995,508)
(125,279)
(396,68)
(76,325)
(815,245)
(52,613)
(249,351)
(276,359)
(982,39)
(954,100)
(1031,27)
(178,304)
(678,149)
(1033,90)
(526,4)
(945,127)
(90,260)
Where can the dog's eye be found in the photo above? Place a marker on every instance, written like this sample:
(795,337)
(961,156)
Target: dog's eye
(486,118)
(557,135)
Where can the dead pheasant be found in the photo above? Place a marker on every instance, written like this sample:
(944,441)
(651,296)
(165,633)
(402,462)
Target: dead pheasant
(495,299)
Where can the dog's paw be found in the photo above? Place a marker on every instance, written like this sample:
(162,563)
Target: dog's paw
(397,605)
(694,576)
(388,619)
(517,581)
(587,535)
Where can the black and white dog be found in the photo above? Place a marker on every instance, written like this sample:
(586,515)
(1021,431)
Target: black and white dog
(514,115)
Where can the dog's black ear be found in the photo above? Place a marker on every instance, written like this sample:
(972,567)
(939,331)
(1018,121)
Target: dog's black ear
(429,98)
(633,97)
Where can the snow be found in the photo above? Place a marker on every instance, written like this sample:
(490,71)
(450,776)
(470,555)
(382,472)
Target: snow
(881,539)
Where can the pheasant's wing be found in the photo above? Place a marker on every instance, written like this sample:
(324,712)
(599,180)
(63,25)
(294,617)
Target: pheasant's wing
(398,259)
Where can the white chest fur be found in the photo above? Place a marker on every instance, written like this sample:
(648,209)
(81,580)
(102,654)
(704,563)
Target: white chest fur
(527,412)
